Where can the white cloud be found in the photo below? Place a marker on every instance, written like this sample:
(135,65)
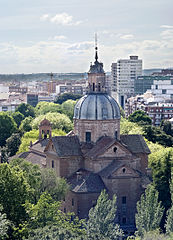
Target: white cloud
(61,19)
(60,37)
(167,34)
(166,26)
(44,17)
(127,36)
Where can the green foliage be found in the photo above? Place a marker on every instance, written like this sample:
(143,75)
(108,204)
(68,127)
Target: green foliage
(44,212)
(7,127)
(4,225)
(155,134)
(26,124)
(18,117)
(13,143)
(33,136)
(149,211)
(153,235)
(56,187)
(14,191)
(47,221)
(45,107)
(32,174)
(127,127)
(100,224)
(41,180)
(59,121)
(26,109)
(68,108)
(169,221)
(66,96)
(140,116)
(166,127)
(161,163)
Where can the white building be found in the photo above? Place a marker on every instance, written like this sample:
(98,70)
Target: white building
(124,74)
(162,90)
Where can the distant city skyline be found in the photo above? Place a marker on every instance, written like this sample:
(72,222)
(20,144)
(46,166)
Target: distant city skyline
(58,36)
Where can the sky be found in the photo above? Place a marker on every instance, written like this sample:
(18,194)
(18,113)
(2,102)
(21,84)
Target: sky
(58,35)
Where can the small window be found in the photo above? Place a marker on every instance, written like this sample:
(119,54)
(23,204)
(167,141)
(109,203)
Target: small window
(88,136)
(116,134)
(123,200)
(124,170)
(53,164)
(124,220)
(163,91)
(115,149)
(156,86)
(72,202)
(99,88)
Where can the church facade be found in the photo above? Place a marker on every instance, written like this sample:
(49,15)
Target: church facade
(94,156)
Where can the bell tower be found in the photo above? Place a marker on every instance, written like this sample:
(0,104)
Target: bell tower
(45,130)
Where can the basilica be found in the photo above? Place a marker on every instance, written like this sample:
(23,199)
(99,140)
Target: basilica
(95,156)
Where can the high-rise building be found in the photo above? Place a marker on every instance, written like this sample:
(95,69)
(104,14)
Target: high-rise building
(124,75)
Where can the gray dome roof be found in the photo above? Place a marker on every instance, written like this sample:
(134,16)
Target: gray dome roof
(97,106)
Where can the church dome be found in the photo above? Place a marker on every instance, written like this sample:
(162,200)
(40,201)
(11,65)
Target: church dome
(97,106)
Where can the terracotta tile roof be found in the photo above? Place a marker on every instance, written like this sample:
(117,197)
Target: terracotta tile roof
(67,146)
(135,143)
(84,181)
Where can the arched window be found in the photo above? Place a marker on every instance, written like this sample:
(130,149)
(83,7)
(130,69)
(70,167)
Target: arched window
(115,149)
(53,164)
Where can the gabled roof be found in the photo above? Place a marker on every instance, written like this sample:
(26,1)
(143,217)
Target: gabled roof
(135,143)
(67,146)
(40,145)
(113,167)
(84,181)
(100,147)
(33,157)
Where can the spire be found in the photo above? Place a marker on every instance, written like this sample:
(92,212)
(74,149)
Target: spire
(96,55)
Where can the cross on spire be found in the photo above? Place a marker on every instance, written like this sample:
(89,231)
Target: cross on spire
(96,48)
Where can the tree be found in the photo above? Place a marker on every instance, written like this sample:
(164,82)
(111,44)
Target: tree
(58,121)
(149,211)
(7,127)
(4,225)
(26,124)
(33,136)
(140,116)
(68,108)
(128,127)
(41,180)
(14,191)
(13,143)
(161,164)
(47,221)
(18,117)
(100,224)
(155,134)
(56,187)
(66,96)
(26,109)
(45,107)
(166,127)
(169,221)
